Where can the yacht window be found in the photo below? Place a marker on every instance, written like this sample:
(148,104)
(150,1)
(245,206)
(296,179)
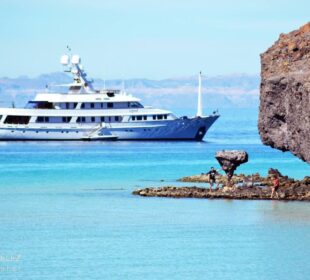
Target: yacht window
(102,119)
(83,119)
(0,117)
(110,105)
(165,117)
(31,105)
(139,118)
(17,119)
(154,117)
(159,117)
(109,119)
(92,118)
(145,118)
(53,119)
(40,119)
(74,105)
(116,118)
(101,105)
(66,119)
(78,120)
(110,93)
(83,106)
(92,105)
(39,105)
(133,118)
(67,105)
(135,105)
(75,88)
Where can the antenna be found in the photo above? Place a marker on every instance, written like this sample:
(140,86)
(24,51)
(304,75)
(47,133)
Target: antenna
(104,85)
(123,85)
(74,66)
(199,101)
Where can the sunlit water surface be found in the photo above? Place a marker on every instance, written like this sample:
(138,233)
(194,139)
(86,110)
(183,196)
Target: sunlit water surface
(66,211)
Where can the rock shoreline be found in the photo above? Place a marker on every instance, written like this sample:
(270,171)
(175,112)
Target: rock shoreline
(290,189)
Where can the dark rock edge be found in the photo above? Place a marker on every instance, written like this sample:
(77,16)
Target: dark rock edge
(290,190)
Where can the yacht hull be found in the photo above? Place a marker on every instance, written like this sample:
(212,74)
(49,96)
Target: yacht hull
(179,129)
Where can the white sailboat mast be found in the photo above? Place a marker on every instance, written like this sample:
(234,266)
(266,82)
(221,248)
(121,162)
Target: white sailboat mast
(199,102)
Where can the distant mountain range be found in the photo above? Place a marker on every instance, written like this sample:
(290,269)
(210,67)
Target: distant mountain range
(237,90)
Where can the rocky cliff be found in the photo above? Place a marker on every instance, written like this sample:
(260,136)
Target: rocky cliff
(284,117)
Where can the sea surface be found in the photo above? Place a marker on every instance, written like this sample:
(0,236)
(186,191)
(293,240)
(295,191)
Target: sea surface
(66,211)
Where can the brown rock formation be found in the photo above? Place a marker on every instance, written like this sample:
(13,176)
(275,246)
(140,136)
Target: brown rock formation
(230,160)
(289,190)
(284,117)
(241,179)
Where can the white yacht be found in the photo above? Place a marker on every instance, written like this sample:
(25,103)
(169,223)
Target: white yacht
(86,113)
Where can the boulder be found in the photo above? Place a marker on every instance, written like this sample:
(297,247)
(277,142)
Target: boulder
(272,171)
(230,160)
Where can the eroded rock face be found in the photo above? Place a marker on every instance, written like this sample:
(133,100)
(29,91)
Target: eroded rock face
(284,116)
(230,160)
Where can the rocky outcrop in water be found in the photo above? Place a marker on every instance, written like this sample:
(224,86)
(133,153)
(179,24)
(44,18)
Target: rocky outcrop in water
(290,189)
(230,160)
(284,117)
(241,179)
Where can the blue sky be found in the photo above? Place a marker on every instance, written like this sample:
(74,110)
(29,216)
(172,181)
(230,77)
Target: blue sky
(143,39)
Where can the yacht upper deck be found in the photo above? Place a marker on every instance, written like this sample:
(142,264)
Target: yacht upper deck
(90,97)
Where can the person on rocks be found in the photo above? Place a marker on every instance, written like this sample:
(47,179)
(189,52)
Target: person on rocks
(229,182)
(275,187)
(212,175)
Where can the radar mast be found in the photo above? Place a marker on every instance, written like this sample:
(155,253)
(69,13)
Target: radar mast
(73,65)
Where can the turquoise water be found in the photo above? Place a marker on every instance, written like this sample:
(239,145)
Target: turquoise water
(66,212)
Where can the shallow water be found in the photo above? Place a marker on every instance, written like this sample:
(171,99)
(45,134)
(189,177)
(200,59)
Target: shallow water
(66,212)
